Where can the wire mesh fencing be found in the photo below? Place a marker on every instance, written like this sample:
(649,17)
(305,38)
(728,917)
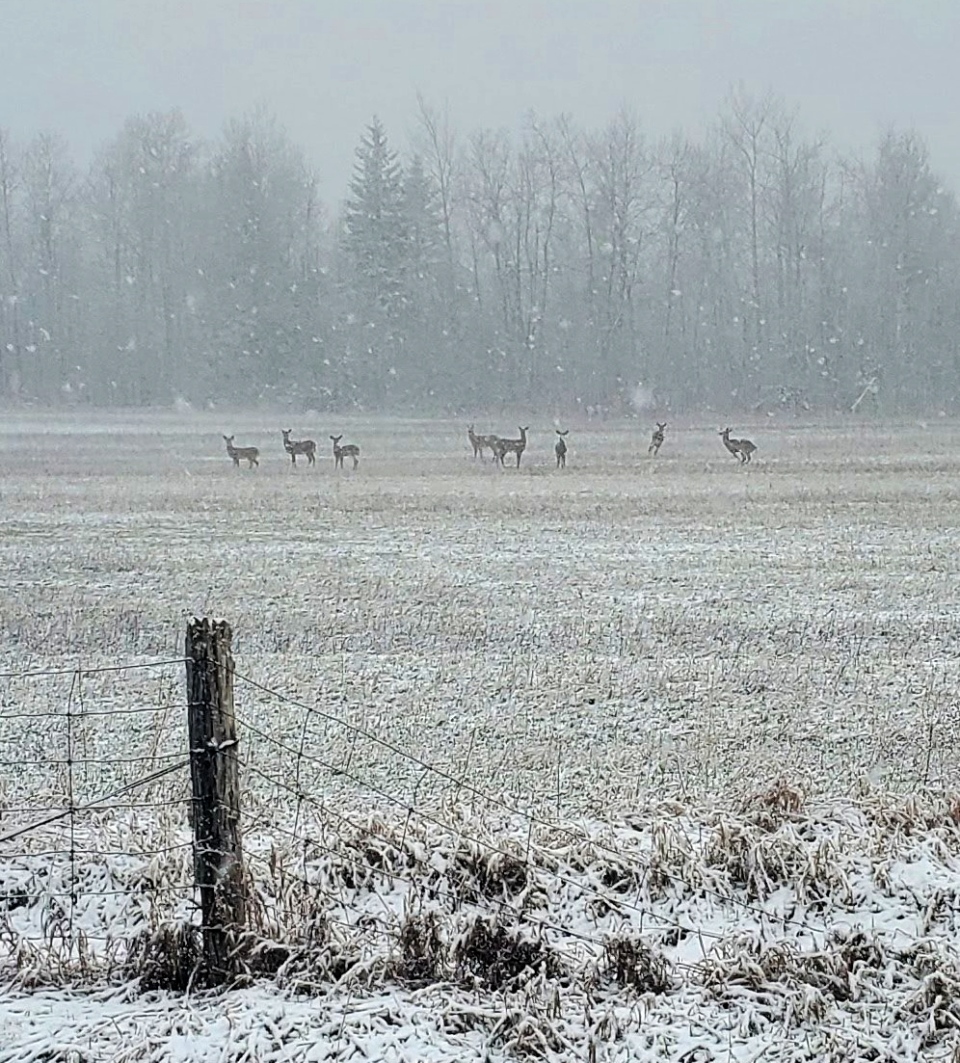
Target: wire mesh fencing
(353,854)
(95,841)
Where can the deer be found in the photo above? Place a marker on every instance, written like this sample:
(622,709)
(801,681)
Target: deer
(351,450)
(656,440)
(741,448)
(299,446)
(479,442)
(251,454)
(746,451)
(560,449)
(511,446)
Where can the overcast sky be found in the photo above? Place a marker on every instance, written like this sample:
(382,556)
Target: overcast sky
(80,67)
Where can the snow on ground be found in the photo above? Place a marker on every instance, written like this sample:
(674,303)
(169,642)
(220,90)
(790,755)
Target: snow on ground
(676,705)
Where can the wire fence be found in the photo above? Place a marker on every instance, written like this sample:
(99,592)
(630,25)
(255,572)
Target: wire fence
(96,818)
(93,792)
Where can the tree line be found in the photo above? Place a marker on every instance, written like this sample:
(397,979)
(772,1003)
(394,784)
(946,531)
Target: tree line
(756,267)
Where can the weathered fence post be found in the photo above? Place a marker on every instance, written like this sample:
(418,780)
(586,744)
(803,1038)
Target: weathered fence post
(218,859)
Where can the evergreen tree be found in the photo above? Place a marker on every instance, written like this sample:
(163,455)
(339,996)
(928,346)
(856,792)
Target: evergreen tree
(427,371)
(376,243)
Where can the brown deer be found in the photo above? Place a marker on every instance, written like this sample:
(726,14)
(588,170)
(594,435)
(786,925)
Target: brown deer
(299,446)
(251,454)
(351,450)
(741,448)
(479,442)
(502,447)
(656,440)
(746,451)
(561,449)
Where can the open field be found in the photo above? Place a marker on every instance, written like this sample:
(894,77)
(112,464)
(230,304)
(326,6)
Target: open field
(712,705)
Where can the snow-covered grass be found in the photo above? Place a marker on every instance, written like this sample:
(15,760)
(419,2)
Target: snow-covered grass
(680,734)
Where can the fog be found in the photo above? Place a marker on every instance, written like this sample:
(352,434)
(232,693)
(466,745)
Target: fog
(558,205)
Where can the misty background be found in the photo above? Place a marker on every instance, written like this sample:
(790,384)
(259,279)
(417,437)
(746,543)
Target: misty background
(435,206)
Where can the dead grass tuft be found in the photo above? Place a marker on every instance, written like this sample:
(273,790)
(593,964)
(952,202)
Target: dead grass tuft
(166,958)
(759,861)
(792,985)
(422,958)
(487,874)
(629,962)
(500,957)
(328,953)
(772,807)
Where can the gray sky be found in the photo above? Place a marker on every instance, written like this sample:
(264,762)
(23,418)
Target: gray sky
(80,67)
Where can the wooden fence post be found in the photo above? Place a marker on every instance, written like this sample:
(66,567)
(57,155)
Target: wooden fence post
(218,859)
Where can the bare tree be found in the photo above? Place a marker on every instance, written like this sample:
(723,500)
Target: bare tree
(11,340)
(624,214)
(50,183)
(747,130)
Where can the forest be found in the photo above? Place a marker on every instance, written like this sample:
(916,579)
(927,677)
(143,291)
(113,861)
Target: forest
(557,268)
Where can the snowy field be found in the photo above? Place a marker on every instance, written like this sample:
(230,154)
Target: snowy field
(642,760)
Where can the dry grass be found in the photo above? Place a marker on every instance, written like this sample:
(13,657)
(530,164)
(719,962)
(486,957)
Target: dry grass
(587,639)
(681,713)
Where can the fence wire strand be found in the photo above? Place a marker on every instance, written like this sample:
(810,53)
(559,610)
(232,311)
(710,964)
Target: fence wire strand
(463,784)
(82,714)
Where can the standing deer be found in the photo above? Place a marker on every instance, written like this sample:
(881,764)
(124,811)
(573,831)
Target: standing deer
(251,454)
(479,442)
(746,451)
(351,450)
(299,446)
(656,440)
(741,448)
(511,446)
(560,449)
(733,445)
